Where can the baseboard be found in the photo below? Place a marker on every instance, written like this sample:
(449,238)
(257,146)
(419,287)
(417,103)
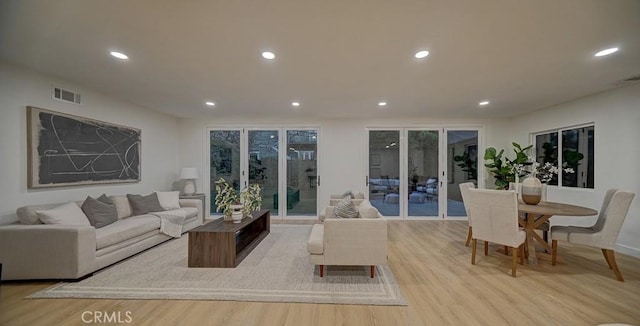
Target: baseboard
(635,252)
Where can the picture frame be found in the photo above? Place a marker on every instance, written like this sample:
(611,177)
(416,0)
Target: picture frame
(69,150)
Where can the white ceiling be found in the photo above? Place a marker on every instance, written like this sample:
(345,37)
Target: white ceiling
(339,58)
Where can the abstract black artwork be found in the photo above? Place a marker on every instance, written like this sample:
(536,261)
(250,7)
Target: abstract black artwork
(69,150)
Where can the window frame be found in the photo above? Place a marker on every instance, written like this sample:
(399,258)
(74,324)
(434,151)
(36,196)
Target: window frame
(559,131)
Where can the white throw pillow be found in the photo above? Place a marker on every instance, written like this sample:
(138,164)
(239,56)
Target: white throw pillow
(68,213)
(366,210)
(122,206)
(169,199)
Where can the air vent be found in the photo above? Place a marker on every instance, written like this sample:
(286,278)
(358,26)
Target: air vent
(628,81)
(67,96)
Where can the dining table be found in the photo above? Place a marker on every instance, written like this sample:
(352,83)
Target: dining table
(533,216)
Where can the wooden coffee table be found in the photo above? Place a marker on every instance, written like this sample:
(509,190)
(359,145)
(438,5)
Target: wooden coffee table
(225,244)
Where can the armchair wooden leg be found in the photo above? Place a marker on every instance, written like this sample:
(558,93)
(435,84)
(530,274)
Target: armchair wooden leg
(321,270)
(373,271)
(554,252)
(514,261)
(604,253)
(486,248)
(473,252)
(614,266)
(469,235)
(521,249)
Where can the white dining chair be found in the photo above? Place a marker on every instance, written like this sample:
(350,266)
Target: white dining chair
(464,191)
(494,216)
(603,233)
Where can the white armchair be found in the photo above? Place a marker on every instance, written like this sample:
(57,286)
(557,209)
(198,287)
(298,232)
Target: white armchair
(348,241)
(603,233)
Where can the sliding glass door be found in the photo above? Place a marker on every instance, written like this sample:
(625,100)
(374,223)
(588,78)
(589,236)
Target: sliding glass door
(224,151)
(263,165)
(462,165)
(416,173)
(289,179)
(384,171)
(302,173)
(423,182)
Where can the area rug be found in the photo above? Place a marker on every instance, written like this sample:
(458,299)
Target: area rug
(277,270)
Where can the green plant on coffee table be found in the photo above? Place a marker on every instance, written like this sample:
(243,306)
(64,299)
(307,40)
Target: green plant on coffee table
(225,197)
(251,199)
(504,170)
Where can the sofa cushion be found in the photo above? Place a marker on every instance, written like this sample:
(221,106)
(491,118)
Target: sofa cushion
(346,209)
(348,193)
(125,229)
(28,214)
(169,199)
(69,214)
(122,206)
(315,245)
(100,212)
(366,210)
(145,204)
(191,212)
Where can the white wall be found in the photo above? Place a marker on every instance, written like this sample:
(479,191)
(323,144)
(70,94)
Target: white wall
(616,115)
(343,146)
(20,88)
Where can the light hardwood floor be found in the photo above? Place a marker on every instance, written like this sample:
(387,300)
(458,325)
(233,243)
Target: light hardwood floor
(433,268)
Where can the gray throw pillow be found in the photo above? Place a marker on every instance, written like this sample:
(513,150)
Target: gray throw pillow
(145,204)
(346,209)
(99,212)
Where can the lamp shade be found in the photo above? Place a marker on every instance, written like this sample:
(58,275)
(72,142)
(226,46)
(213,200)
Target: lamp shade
(189,173)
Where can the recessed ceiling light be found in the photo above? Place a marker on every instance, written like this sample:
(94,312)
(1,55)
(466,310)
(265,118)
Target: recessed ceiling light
(606,52)
(268,55)
(483,103)
(209,103)
(382,103)
(119,55)
(295,103)
(421,54)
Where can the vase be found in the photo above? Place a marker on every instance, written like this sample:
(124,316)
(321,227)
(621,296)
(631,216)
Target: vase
(236,217)
(236,214)
(531,190)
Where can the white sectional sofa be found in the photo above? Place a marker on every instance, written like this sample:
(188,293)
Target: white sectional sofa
(59,251)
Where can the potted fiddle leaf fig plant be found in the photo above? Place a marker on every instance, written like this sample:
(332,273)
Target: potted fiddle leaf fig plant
(505,170)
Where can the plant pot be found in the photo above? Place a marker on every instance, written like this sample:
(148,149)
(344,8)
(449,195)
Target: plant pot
(531,190)
(236,217)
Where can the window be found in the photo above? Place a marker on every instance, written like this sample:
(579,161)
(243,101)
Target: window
(574,148)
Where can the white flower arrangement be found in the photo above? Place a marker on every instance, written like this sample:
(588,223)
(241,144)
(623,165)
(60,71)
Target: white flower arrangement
(546,171)
(251,198)
(227,197)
